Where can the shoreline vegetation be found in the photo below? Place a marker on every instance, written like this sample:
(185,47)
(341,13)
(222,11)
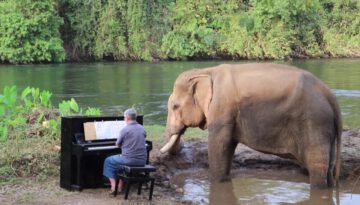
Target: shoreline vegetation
(51,31)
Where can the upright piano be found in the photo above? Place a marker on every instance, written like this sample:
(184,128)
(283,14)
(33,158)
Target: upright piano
(82,160)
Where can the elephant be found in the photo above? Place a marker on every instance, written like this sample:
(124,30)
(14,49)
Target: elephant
(272,108)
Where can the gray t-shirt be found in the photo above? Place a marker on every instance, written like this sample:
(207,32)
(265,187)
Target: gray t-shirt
(131,140)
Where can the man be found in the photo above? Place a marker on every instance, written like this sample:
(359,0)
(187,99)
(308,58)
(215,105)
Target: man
(131,140)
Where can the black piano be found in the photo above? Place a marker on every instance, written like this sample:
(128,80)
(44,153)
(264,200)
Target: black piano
(82,161)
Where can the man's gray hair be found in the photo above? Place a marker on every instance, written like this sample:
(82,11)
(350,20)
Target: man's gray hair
(130,113)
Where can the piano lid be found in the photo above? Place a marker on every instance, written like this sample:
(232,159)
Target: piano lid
(103,129)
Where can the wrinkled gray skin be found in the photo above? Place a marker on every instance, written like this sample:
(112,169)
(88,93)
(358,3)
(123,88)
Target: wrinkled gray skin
(271,108)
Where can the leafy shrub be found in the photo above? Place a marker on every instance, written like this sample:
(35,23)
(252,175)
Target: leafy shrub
(31,113)
(29,32)
(32,107)
(341,27)
(71,107)
(115,29)
(30,132)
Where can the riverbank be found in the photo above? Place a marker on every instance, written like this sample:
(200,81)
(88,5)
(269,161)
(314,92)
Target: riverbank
(170,175)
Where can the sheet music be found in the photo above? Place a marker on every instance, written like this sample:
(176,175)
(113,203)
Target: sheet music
(89,131)
(108,129)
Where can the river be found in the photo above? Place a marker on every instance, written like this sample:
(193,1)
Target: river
(113,87)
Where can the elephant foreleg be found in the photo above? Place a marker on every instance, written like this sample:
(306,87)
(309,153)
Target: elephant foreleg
(221,151)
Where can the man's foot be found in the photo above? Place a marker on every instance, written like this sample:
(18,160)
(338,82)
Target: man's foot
(112,192)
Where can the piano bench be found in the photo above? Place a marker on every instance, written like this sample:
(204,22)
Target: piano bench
(140,175)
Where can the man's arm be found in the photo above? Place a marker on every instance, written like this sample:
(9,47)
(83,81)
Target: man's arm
(120,139)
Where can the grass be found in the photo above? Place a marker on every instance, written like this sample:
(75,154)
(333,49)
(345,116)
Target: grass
(155,133)
(29,157)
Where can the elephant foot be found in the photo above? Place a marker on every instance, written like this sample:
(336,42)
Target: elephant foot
(218,177)
(319,186)
(318,180)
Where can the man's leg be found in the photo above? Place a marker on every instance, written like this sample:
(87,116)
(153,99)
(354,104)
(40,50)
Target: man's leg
(120,185)
(119,161)
(112,183)
(110,169)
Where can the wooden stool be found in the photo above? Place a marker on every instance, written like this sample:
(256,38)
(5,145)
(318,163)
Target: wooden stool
(131,175)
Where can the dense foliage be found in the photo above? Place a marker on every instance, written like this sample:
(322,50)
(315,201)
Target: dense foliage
(29,32)
(181,29)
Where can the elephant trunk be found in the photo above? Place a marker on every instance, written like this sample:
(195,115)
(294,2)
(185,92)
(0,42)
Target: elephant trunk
(171,145)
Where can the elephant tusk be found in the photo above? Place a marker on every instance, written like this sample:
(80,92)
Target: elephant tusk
(170,144)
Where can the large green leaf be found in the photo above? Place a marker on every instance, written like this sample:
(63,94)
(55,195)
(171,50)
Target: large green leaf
(45,98)
(2,110)
(64,108)
(3,133)
(25,92)
(10,96)
(74,106)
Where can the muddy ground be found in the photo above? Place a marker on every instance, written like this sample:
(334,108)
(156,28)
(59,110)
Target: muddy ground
(168,190)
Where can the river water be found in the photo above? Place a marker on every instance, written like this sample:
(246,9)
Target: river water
(113,87)
(267,187)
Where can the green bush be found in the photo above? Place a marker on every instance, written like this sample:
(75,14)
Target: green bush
(194,32)
(29,32)
(32,114)
(30,132)
(71,107)
(341,27)
(115,29)
(31,108)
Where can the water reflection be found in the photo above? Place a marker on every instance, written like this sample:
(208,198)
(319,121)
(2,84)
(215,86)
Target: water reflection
(222,193)
(248,190)
(196,190)
(324,197)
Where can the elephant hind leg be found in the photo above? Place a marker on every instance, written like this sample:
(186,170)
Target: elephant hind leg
(318,167)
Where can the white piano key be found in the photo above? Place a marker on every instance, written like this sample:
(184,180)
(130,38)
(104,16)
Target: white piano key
(102,147)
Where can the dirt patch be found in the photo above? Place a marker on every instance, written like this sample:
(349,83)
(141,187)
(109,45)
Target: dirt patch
(192,160)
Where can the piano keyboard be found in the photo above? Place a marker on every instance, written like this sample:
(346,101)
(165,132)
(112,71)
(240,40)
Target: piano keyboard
(102,147)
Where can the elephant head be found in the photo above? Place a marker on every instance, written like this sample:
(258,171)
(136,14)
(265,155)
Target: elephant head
(188,106)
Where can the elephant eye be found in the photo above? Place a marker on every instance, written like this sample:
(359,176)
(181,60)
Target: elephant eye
(175,107)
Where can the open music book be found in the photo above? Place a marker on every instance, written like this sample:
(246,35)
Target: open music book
(103,129)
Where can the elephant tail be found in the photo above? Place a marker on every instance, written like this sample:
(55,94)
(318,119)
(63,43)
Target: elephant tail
(338,148)
(338,132)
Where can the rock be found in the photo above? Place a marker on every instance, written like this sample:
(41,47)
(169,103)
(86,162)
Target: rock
(166,184)
(179,190)
(45,123)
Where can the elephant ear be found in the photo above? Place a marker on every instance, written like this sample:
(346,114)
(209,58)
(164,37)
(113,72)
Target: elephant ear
(202,91)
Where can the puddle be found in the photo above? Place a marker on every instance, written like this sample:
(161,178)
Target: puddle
(249,189)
